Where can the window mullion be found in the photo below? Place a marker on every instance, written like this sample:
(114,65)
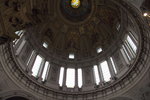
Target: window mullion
(64,78)
(76,77)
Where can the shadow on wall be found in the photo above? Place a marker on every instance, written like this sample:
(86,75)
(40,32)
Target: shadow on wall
(121,98)
(17,98)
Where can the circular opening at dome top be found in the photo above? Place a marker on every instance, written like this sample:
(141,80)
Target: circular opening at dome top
(75,3)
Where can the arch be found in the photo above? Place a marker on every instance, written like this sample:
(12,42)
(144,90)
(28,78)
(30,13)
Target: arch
(17,98)
(17,95)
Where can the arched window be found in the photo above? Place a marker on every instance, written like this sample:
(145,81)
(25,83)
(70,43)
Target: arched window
(105,71)
(70,78)
(45,45)
(132,44)
(33,52)
(61,76)
(80,82)
(99,50)
(20,34)
(45,71)
(37,65)
(126,53)
(71,56)
(113,65)
(96,74)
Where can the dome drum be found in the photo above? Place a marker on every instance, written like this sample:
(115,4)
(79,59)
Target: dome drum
(97,53)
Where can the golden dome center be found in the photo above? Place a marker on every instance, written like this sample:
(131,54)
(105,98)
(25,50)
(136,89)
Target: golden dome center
(75,3)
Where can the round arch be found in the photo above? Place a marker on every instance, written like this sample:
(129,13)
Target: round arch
(17,95)
(17,98)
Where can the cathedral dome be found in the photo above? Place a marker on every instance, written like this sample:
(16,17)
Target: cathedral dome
(76,46)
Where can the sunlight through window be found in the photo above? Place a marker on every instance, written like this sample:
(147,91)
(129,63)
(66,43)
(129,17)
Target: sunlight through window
(70,79)
(36,66)
(80,78)
(75,3)
(99,50)
(61,76)
(71,56)
(96,74)
(113,64)
(45,71)
(132,44)
(45,45)
(105,71)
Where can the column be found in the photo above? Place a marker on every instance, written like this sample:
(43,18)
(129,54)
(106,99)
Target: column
(64,78)
(76,79)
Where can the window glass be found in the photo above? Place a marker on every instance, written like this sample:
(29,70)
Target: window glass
(124,55)
(80,78)
(96,74)
(113,64)
(126,52)
(45,71)
(36,65)
(131,43)
(30,57)
(71,56)
(45,45)
(105,71)
(70,79)
(99,50)
(20,34)
(61,75)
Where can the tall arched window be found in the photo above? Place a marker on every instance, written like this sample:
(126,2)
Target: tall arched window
(113,65)
(61,76)
(70,78)
(96,74)
(105,71)
(132,44)
(37,65)
(80,82)
(45,71)
(20,34)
